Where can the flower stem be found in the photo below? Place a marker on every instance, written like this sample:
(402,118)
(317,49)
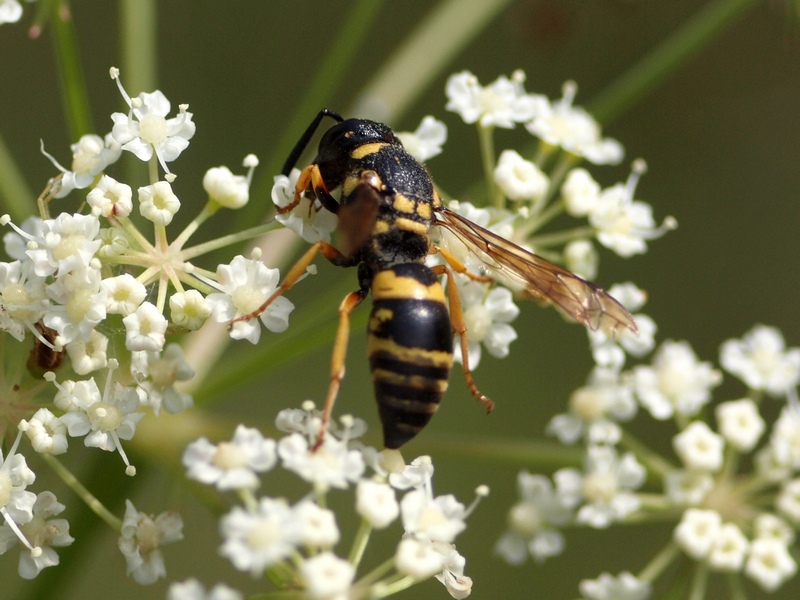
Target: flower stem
(70,76)
(227,240)
(360,543)
(659,563)
(84,494)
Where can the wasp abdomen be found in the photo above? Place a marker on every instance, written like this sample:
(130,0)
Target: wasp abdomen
(410,348)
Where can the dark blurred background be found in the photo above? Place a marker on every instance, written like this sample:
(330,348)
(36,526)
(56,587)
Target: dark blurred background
(721,138)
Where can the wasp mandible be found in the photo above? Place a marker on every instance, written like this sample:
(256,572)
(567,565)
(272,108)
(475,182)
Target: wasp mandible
(387,209)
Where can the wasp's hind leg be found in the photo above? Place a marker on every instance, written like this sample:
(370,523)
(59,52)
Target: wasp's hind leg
(338,357)
(459,327)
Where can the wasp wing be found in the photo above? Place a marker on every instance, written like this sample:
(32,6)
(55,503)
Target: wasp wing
(504,260)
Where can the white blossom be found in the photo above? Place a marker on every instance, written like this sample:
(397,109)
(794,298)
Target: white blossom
(259,538)
(574,130)
(191,589)
(158,203)
(697,532)
(141,539)
(500,104)
(740,423)
(699,447)
(90,354)
(769,564)
(729,550)
(316,525)
(333,464)
(231,465)
(229,190)
(110,198)
(91,154)
(145,130)
(376,502)
(580,192)
(427,141)
(327,576)
(46,432)
(145,329)
(189,309)
(519,179)
(676,383)
(246,284)
(124,294)
(761,360)
(624,586)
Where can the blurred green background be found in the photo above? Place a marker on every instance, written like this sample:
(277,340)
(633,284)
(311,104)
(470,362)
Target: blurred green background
(721,137)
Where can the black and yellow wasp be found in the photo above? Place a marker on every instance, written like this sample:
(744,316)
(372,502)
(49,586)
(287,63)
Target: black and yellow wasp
(387,209)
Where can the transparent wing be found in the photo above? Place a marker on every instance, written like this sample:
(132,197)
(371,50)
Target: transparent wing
(576,297)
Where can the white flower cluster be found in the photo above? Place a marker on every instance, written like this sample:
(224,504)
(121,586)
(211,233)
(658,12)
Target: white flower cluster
(98,296)
(732,520)
(295,542)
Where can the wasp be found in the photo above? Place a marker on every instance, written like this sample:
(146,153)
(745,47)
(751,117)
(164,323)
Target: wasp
(386,212)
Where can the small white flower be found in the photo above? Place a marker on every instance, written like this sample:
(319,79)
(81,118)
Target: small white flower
(330,465)
(452,576)
(327,576)
(46,432)
(594,410)
(316,526)
(769,564)
(113,243)
(785,439)
(157,373)
(90,156)
(788,501)
(676,383)
(141,540)
(418,558)
(699,447)
(761,360)
(582,259)
(189,309)
(416,475)
(123,294)
(769,526)
(580,192)
(43,533)
(191,589)
(532,522)
(519,179)
(145,329)
(146,130)
(257,539)
(623,224)
(231,465)
(229,190)
(16,503)
(376,503)
(606,486)
(80,304)
(110,198)
(308,219)
(427,141)
(158,203)
(740,423)
(10,11)
(487,317)
(107,418)
(575,130)
(687,488)
(22,298)
(697,532)
(729,549)
(438,519)
(245,285)
(67,243)
(90,354)
(500,104)
(624,586)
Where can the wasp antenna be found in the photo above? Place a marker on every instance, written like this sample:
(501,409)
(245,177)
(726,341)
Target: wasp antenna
(301,144)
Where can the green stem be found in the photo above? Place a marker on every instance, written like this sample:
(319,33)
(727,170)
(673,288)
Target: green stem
(659,563)
(360,543)
(138,44)
(227,240)
(699,582)
(70,76)
(84,494)
(652,460)
(494,194)
(209,210)
(667,57)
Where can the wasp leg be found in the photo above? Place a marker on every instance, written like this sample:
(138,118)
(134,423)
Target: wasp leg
(457,265)
(338,357)
(299,268)
(310,182)
(459,327)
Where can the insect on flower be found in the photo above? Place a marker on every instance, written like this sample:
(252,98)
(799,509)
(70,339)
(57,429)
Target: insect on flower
(387,209)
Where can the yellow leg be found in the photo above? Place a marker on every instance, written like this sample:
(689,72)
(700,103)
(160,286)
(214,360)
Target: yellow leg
(459,327)
(338,357)
(457,265)
(293,275)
